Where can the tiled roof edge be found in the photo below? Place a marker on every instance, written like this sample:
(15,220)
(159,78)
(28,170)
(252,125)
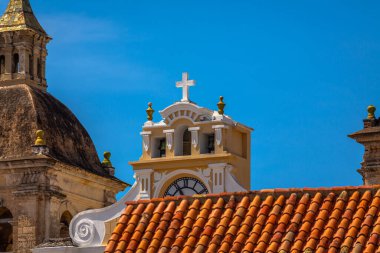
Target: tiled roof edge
(264,192)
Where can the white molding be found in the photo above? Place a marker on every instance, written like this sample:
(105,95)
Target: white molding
(169,138)
(143,178)
(146,140)
(231,184)
(194,136)
(87,229)
(218,177)
(184,110)
(218,136)
(70,249)
(220,127)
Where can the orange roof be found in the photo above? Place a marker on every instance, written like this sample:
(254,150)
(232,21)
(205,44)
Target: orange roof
(340,219)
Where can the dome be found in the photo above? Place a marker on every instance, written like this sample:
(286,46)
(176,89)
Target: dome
(25,109)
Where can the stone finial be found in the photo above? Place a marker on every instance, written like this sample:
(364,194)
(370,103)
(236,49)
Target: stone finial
(221,105)
(40,141)
(107,159)
(371,112)
(150,111)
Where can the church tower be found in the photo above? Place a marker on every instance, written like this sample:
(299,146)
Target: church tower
(23,46)
(369,137)
(193,150)
(49,167)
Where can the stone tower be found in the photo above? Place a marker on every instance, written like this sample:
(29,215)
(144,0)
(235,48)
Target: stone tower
(23,46)
(46,177)
(369,137)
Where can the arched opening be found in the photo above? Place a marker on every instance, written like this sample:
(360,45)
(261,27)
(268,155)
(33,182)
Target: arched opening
(6,230)
(2,64)
(65,224)
(16,63)
(186,142)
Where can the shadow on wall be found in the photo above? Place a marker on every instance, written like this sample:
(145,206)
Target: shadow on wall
(6,230)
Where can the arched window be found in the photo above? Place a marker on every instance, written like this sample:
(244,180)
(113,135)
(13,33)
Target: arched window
(2,64)
(186,142)
(65,223)
(16,63)
(6,230)
(31,66)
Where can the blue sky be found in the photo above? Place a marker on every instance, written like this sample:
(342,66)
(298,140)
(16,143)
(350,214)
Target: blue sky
(301,73)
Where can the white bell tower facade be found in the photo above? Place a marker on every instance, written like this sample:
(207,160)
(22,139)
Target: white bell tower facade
(192,150)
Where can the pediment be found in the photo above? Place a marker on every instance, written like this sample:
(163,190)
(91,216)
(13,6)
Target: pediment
(184,110)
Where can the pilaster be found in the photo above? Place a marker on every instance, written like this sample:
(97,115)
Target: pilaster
(195,150)
(144,181)
(220,138)
(169,134)
(218,178)
(146,138)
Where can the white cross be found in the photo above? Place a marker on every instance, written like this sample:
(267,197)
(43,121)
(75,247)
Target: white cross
(185,84)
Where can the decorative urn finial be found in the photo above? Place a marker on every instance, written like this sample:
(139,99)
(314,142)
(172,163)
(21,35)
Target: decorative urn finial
(371,112)
(40,141)
(39,147)
(150,111)
(221,105)
(107,159)
(106,163)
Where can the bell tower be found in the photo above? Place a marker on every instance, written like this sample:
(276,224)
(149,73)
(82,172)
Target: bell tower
(192,150)
(22,46)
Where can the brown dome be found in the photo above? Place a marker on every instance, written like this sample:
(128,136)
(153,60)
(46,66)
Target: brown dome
(25,109)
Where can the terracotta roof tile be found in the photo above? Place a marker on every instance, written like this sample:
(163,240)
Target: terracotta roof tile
(322,220)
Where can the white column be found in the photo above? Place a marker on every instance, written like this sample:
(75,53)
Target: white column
(144,181)
(194,136)
(169,138)
(219,133)
(146,140)
(218,178)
